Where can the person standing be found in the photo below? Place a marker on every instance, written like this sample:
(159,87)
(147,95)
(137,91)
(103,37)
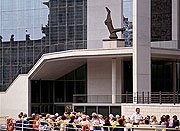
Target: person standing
(136,117)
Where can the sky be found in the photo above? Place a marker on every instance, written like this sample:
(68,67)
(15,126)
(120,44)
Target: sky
(17,16)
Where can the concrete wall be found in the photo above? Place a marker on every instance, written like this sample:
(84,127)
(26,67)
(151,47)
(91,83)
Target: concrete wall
(151,109)
(15,99)
(99,79)
(96,15)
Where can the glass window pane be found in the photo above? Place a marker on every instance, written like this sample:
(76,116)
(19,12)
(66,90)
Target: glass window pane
(46,91)
(70,16)
(69,91)
(80,73)
(79,33)
(59,91)
(90,109)
(35,91)
(59,109)
(115,110)
(14,56)
(6,59)
(80,87)
(104,110)
(79,15)
(70,76)
(35,109)
(78,108)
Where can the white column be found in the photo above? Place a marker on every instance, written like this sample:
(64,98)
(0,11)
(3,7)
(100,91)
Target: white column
(174,75)
(142,46)
(119,86)
(113,80)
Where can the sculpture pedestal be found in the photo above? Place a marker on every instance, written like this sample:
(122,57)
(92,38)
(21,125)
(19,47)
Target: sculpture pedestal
(113,43)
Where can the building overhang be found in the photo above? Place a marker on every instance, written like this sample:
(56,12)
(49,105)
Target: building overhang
(165,53)
(51,66)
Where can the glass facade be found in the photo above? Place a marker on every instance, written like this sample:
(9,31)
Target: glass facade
(128,76)
(104,110)
(162,76)
(161,20)
(49,96)
(31,28)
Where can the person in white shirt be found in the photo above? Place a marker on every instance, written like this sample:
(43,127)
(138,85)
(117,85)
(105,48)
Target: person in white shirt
(136,117)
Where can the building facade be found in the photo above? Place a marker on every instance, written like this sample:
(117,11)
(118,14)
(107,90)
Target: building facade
(76,64)
(65,30)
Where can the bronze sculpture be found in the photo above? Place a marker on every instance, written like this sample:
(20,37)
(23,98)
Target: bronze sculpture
(108,23)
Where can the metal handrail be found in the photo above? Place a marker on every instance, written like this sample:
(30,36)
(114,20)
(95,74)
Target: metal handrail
(128,97)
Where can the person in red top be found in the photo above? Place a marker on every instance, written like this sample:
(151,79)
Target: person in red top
(35,125)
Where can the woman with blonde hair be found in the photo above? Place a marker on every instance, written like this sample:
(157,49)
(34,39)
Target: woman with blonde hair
(153,120)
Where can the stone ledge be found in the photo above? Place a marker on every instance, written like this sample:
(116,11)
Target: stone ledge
(113,43)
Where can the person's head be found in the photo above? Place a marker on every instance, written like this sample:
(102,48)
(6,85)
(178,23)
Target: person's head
(146,120)
(117,116)
(111,116)
(163,119)
(153,118)
(72,118)
(106,120)
(25,115)
(19,116)
(114,119)
(21,113)
(137,110)
(123,117)
(74,113)
(174,117)
(120,121)
(148,117)
(47,115)
(63,117)
(56,115)
(163,116)
(33,116)
(82,113)
(167,117)
(87,118)
(84,117)
(40,116)
(100,116)
(37,116)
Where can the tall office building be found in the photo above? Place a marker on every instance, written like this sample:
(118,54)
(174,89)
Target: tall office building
(65,29)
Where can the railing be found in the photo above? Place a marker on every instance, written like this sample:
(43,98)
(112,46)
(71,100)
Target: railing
(157,97)
(141,98)
(18,124)
(85,98)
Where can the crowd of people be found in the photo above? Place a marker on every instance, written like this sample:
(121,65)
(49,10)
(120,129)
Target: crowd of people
(69,119)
